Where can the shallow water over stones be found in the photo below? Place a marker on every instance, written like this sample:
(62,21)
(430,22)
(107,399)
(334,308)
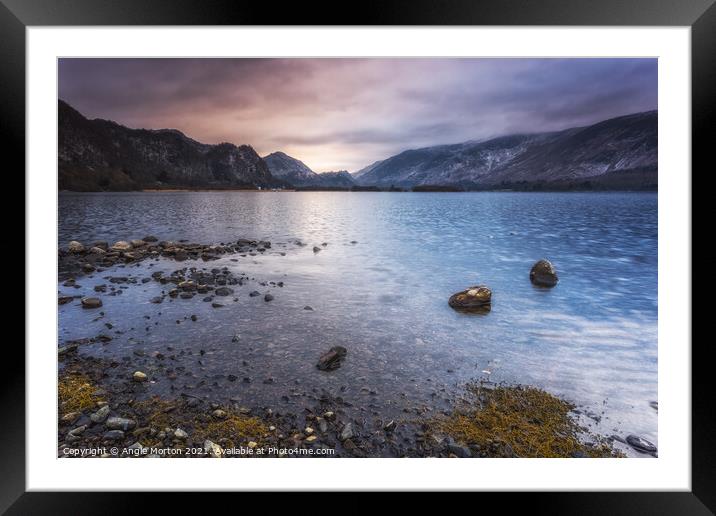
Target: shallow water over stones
(378,288)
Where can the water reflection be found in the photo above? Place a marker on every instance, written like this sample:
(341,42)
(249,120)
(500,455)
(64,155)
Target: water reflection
(380,288)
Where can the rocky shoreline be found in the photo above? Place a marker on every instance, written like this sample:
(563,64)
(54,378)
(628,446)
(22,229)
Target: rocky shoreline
(101,408)
(105,409)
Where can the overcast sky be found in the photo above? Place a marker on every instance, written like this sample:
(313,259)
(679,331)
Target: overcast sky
(343,114)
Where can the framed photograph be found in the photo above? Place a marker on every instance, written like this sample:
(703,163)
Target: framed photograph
(437,247)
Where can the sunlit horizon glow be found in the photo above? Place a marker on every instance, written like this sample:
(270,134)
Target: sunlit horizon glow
(344,114)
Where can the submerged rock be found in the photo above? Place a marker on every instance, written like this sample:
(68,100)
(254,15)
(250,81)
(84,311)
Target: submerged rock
(477,298)
(640,444)
(91,302)
(331,359)
(139,376)
(543,274)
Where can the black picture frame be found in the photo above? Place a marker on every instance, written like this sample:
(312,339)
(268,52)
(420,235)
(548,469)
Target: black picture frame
(700,15)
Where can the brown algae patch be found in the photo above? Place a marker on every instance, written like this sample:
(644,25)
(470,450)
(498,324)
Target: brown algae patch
(234,430)
(520,422)
(76,392)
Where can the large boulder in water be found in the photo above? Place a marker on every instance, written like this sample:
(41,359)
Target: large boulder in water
(477,298)
(543,274)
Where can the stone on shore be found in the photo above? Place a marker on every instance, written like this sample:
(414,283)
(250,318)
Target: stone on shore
(120,423)
(543,274)
(478,298)
(100,415)
(114,435)
(331,359)
(91,302)
(212,449)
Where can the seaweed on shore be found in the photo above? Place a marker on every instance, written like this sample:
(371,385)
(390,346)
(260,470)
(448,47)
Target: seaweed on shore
(76,392)
(520,422)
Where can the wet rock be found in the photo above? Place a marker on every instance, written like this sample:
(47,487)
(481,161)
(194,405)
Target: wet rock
(157,299)
(63,300)
(120,423)
(100,415)
(216,305)
(331,359)
(75,247)
(309,308)
(187,285)
(268,297)
(316,249)
(139,376)
(254,293)
(114,435)
(223,291)
(347,432)
(70,417)
(91,302)
(212,449)
(459,451)
(137,243)
(150,238)
(543,274)
(97,251)
(640,444)
(476,298)
(121,246)
(66,349)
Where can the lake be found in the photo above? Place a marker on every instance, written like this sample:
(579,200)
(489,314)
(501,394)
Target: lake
(380,288)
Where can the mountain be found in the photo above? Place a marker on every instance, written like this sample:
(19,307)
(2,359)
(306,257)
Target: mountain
(340,179)
(95,155)
(289,169)
(616,153)
(357,174)
(296,172)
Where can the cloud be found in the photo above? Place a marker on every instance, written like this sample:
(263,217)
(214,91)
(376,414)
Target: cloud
(346,113)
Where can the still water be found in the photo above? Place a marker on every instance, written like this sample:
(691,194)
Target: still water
(380,289)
